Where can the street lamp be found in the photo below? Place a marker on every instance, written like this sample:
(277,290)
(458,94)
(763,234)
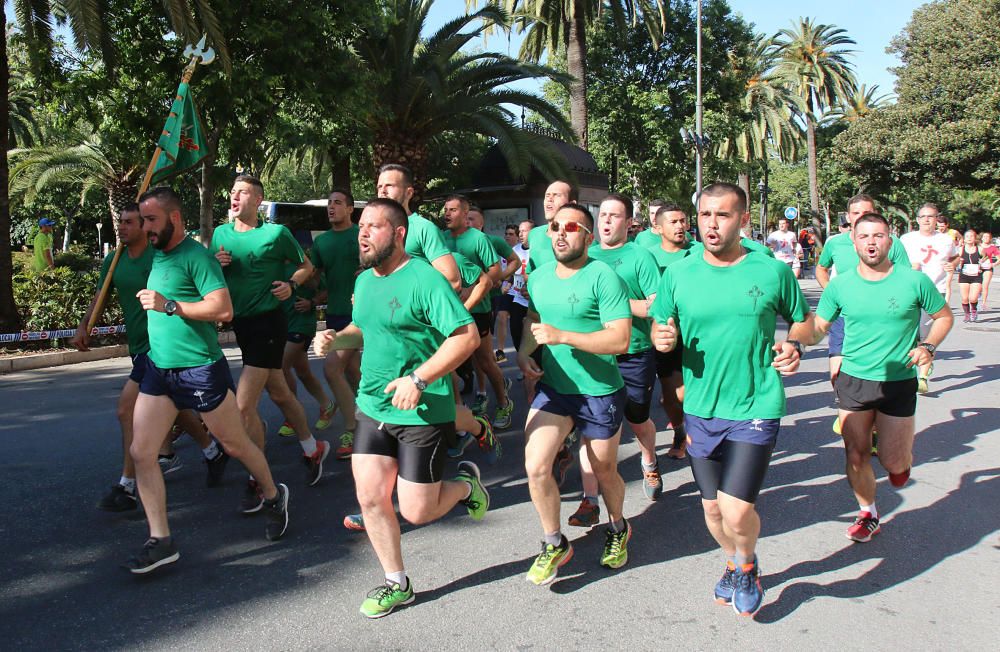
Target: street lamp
(699,142)
(99,225)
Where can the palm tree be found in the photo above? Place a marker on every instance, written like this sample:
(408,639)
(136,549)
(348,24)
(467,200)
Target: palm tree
(22,128)
(554,25)
(35,19)
(814,64)
(423,88)
(859,104)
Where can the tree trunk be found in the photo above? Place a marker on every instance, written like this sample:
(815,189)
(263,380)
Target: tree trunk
(10,320)
(389,147)
(813,181)
(743,181)
(576,66)
(206,189)
(340,168)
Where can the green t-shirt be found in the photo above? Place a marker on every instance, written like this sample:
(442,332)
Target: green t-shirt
(299,322)
(131,275)
(259,257)
(840,255)
(504,251)
(404,318)
(467,271)
(748,244)
(475,246)
(582,303)
(665,259)
(335,253)
(185,273)
(647,238)
(726,317)
(424,239)
(881,319)
(637,267)
(42,243)
(539,248)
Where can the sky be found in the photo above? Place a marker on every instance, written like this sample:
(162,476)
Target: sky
(871,23)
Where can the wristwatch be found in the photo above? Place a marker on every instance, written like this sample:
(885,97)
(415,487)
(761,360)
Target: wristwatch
(418,382)
(930,347)
(798,346)
(292,284)
(170,307)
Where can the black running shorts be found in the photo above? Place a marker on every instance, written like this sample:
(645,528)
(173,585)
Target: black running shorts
(894,398)
(418,450)
(261,338)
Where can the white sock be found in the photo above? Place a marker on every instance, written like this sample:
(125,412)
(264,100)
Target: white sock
(555,538)
(308,446)
(398,578)
(469,492)
(128,484)
(211,451)
(870,509)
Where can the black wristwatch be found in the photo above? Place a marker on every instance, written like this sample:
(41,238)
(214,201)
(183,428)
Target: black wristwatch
(170,307)
(420,383)
(798,346)
(930,347)
(292,284)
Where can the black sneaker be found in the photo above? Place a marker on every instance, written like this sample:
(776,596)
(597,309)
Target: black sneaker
(216,468)
(118,499)
(277,514)
(314,463)
(253,499)
(154,553)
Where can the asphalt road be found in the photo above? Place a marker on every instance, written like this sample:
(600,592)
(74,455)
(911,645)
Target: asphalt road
(926,582)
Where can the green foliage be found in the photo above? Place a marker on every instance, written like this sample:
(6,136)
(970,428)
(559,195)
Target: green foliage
(945,125)
(58,298)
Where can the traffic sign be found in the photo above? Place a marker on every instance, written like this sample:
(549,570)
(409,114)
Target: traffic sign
(791,212)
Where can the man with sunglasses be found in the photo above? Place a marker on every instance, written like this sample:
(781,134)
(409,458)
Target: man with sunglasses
(579,310)
(733,394)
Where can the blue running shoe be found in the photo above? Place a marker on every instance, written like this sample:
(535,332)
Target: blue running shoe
(748,594)
(724,587)
(463,442)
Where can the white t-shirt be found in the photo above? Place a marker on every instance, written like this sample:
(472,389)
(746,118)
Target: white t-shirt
(783,245)
(931,252)
(518,278)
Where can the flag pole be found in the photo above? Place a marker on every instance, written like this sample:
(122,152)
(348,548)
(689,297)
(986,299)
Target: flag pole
(102,296)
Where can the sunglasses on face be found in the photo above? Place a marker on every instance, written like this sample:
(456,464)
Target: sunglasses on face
(568,227)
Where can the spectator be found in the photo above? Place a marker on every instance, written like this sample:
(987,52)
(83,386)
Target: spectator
(43,246)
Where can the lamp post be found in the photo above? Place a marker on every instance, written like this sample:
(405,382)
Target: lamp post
(698,106)
(99,252)
(762,190)
(699,142)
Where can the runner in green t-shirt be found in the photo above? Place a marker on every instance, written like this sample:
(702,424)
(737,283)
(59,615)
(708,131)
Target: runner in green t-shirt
(510,263)
(253,255)
(725,301)
(539,241)
(580,311)
(335,256)
(475,246)
(130,276)
(185,295)
(881,303)
(418,333)
(41,259)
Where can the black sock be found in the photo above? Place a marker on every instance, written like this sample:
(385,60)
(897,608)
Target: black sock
(965,309)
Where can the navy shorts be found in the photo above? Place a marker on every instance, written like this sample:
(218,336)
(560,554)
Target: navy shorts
(502,303)
(190,388)
(705,435)
(338,322)
(836,344)
(596,417)
(638,370)
(139,361)
(301,338)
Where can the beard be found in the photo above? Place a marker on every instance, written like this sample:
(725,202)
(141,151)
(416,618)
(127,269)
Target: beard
(161,238)
(377,256)
(570,255)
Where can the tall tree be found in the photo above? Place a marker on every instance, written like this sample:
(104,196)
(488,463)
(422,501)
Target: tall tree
(561,25)
(814,62)
(421,89)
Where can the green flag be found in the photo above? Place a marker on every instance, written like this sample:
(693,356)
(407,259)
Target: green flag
(181,142)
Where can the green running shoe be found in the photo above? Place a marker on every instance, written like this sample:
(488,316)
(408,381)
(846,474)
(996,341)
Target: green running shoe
(383,599)
(326,416)
(503,415)
(286,430)
(480,404)
(546,565)
(615,553)
(478,501)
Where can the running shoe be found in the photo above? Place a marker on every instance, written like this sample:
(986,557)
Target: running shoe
(346,448)
(748,594)
(615,553)
(586,515)
(253,499)
(480,405)
(118,499)
(459,449)
(547,564)
(216,468)
(874,443)
(965,319)
(726,585)
(478,501)
(277,514)
(325,416)
(488,441)
(864,528)
(354,522)
(899,479)
(501,356)
(314,463)
(169,463)
(836,427)
(975,316)
(383,599)
(652,483)
(155,553)
(503,417)
(562,464)
(286,430)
